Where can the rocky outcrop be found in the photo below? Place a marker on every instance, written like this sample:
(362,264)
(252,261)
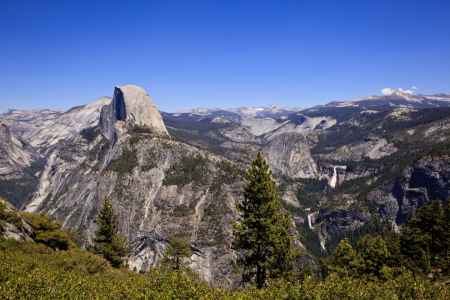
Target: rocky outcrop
(428,181)
(373,148)
(160,195)
(342,220)
(241,134)
(301,124)
(343,173)
(14,155)
(21,230)
(133,105)
(262,125)
(241,153)
(17,180)
(271,127)
(44,128)
(288,154)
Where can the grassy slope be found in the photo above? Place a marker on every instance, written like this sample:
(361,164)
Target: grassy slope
(33,271)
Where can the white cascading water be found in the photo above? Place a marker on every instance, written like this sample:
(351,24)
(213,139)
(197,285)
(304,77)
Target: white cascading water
(333,179)
(309,221)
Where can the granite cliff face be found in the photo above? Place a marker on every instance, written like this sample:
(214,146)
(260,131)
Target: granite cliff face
(133,105)
(156,196)
(185,184)
(342,220)
(18,175)
(343,173)
(288,154)
(44,128)
(14,155)
(159,188)
(271,127)
(371,147)
(427,181)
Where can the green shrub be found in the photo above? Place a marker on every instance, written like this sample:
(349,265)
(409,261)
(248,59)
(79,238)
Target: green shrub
(49,233)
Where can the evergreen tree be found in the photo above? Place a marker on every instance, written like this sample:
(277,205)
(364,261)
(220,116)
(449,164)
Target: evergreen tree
(429,221)
(344,261)
(107,241)
(446,235)
(176,251)
(375,254)
(412,246)
(392,242)
(262,231)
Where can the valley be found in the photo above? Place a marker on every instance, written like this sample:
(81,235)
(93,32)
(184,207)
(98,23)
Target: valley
(342,170)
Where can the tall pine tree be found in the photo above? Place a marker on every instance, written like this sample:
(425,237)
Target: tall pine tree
(107,241)
(261,234)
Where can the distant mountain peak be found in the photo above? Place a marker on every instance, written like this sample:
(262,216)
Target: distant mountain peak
(399,93)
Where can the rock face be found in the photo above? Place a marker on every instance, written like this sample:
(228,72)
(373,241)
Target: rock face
(14,155)
(131,104)
(155,199)
(288,154)
(343,173)
(44,128)
(262,125)
(159,188)
(301,124)
(342,220)
(428,181)
(271,127)
(241,134)
(10,231)
(373,148)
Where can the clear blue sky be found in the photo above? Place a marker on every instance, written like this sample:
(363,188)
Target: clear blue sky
(189,54)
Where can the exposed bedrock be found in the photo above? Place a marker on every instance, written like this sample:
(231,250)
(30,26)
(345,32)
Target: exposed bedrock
(342,220)
(428,181)
(343,173)
(288,154)
(132,105)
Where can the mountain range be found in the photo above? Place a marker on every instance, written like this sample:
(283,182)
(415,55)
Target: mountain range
(341,169)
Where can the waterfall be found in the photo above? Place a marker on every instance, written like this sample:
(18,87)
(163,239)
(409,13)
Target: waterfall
(333,179)
(309,221)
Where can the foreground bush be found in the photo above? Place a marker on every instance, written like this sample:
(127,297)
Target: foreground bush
(34,271)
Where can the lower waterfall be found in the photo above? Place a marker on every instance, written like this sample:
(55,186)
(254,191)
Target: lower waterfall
(333,179)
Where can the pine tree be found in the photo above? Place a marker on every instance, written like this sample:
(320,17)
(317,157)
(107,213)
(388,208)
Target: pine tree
(262,231)
(374,253)
(345,261)
(107,241)
(446,235)
(412,245)
(176,251)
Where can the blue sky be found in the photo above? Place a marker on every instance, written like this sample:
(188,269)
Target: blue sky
(189,54)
